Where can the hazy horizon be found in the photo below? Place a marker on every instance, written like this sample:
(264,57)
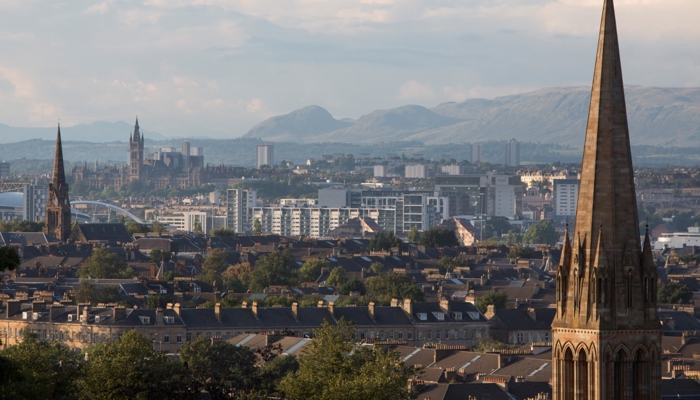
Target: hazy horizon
(215,68)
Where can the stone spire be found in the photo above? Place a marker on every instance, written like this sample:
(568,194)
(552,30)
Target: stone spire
(58,214)
(606,333)
(59,176)
(137,133)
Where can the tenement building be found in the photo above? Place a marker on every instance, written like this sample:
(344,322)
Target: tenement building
(606,332)
(80,326)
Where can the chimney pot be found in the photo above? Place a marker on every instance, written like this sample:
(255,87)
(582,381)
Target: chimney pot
(295,310)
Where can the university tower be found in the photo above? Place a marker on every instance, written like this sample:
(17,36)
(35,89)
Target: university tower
(606,333)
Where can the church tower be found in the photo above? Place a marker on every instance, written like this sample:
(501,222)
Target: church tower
(58,205)
(136,154)
(606,332)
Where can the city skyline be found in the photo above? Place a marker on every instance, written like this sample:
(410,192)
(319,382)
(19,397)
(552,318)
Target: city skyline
(215,68)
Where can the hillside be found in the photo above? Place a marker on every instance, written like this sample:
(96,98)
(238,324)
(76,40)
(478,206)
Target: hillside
(657,117)
(99,131)
(308,122)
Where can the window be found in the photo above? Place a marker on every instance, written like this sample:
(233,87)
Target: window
(166,338)
(546,337)
(189,336)
(208,335)
(400,335)
(437,334)
(362,335)
(410,335)
(520,338)
(430,335)
(178,338)
(228,335)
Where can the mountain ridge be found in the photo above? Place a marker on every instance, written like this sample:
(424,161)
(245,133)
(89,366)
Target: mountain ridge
(657,116)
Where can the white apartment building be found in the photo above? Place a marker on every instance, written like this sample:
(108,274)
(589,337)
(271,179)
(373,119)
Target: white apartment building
(416,171)
(380,171)
(452,169)
(239,202)
(477,153)
(565,197)
(186,221)
(265,155)
(392,211)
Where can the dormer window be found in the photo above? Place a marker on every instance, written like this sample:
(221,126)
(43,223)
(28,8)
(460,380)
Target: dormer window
(422,316)
(439,315)
(145,320)
(457,316)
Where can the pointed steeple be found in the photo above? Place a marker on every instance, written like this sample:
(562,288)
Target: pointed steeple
(606,192)
(137,133)
(59,176)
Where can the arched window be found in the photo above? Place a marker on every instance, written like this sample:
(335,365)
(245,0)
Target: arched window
(567,374)
(582,384)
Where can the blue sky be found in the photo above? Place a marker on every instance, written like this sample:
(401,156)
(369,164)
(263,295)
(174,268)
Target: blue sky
(215,67)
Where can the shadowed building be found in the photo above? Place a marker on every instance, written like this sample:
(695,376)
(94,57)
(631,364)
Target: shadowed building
(58,204)
(606,333)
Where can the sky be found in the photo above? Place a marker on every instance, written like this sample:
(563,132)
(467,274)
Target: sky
(215,68)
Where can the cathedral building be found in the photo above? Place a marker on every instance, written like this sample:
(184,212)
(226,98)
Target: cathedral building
(165,168)
(606,333)
(58,204)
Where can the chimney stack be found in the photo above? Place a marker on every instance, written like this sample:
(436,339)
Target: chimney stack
(490,311)
(55,312)
(118,313)
(159,316)
(394,302)
(244,304)
(445,306)
(408,307)
(295,310)
(371,309)
(217,311)
(331,308)
(176,307)
(320,303)
(255,309)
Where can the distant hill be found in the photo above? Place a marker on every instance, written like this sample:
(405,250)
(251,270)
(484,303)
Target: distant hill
(657,117)
(99,131)
(310,121)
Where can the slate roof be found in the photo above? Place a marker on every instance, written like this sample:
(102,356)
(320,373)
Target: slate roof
(687,389)
(682,321)
(26,238)
(529,390)
(478,390)
(517,319)
(109,232)
(430,308)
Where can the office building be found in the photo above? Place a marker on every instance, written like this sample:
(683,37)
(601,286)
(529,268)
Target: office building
(477,153)
(239,202)
(490,194)
(380,171)
(417,171)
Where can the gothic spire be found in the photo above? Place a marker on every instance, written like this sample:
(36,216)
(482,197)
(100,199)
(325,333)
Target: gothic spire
(59,176)
(606,193)
(137,133)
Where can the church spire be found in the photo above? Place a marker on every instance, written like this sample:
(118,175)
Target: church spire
(58,215)
(59,176)
(137,133)
(606,333)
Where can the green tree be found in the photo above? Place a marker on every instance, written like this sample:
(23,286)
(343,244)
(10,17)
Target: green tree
(520,252)
(448,264)
(353,285)
(377,268)
(44,370)
(384,241)
(129,368)
(675,293)
(392,285)
(413,235)
(213,268)
(332,367)
(498,299)
(222,232)
(135,227)
(271,373)
(542,232)
(157,255)
(276,268)
(311,269)
(157,228)
(257,227)
(496,227)
(9,259)
(223,370)
(237,277)
(104,264)
(336,277)
(439,237)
